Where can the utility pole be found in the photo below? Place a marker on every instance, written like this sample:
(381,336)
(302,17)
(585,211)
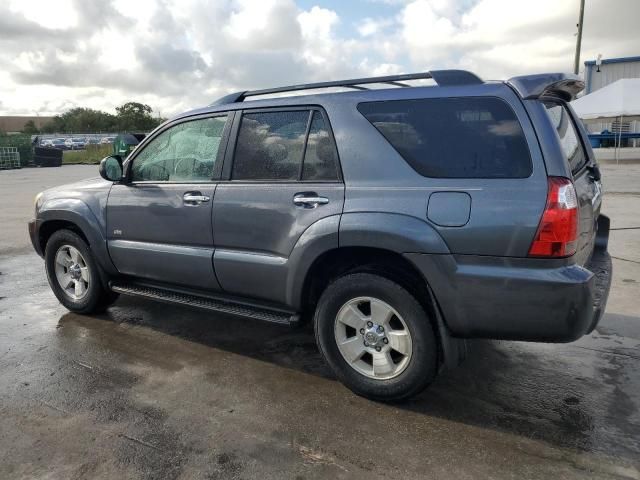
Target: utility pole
(576,64)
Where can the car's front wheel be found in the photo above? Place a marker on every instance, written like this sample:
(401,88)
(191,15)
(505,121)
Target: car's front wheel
(73,274)
(376,337)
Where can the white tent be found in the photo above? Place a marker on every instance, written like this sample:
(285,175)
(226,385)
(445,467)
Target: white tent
(618,99)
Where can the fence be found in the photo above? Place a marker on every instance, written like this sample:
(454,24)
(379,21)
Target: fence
(23,143)
(9,158)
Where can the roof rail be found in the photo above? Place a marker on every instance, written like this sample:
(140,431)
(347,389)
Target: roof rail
(441,77)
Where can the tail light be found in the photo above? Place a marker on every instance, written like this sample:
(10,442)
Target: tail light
(557,234)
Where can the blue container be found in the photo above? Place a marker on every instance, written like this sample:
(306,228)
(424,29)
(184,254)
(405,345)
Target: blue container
(595,141)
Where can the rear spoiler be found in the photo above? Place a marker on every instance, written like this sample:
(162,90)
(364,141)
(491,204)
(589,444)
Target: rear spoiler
(563,85)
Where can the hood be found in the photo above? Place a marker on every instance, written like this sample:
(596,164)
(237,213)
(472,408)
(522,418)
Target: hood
(93,192)
(85,186)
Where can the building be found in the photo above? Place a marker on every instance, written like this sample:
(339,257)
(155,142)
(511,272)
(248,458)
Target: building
(615,130)
(14,124)
(608,71)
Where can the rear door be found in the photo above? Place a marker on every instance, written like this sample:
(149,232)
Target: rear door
(159,224)
(588,189)
(281,177)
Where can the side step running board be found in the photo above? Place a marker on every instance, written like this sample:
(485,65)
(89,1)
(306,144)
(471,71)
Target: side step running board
(232,308)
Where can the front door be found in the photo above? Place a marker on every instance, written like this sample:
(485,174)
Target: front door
(159,224)
(285,177)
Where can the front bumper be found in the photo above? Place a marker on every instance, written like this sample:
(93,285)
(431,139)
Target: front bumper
(34,228)
(519,298)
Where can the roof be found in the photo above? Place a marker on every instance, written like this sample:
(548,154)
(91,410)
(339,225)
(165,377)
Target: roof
(16,123)
(441,77)
(528,86)
(620,98)
(604,61)
(461,82)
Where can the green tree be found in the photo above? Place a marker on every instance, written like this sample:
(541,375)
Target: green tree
(86,120)
(30,128)
(130,117)
(134,116)
(81,120)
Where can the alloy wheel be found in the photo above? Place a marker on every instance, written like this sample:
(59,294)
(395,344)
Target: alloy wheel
(373,338)
(72,272)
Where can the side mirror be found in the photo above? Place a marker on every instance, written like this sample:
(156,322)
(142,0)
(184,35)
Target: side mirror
(111,168)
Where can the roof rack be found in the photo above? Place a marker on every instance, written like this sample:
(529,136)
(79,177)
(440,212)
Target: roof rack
(441,77)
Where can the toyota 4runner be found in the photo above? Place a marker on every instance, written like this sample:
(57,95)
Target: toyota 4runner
(401,219)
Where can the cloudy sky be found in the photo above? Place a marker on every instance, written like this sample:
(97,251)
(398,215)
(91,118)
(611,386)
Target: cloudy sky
(178,54)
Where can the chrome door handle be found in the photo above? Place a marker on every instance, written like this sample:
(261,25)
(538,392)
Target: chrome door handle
(309,201)
(195,199)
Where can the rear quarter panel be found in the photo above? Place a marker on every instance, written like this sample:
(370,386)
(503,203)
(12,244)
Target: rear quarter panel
(504,212)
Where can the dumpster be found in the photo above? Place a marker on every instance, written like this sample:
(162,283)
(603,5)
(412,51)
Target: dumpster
(47,157)
(594,140)
(124,143)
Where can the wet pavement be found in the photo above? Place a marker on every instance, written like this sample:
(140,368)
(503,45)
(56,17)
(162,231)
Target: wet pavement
(152,391)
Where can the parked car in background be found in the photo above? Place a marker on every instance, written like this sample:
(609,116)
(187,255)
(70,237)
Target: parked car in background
(59,143)
(47,142)
(92,140)
(400,221)
(106,140)
(75,143)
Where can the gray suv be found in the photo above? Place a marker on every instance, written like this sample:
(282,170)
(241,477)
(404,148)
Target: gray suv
(399,220)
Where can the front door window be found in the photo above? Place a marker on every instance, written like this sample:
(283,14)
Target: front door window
(187,152)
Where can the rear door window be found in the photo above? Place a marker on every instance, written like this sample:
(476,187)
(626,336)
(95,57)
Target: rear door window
(285,146)
(320,159)
(569,139)
(473,137)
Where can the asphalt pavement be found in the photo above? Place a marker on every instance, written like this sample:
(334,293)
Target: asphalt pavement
(153,391)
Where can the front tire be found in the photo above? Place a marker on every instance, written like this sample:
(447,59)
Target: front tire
(376,337)
(73,274)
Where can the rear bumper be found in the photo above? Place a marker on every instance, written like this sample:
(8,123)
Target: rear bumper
(519,298)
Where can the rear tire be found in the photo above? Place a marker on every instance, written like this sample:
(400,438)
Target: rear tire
(73,274)
(376,337)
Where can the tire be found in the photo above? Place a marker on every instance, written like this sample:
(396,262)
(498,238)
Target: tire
(400,373)
(68,260)
(47,161)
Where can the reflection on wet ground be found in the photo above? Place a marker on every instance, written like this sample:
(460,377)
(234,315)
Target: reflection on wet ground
(151,390)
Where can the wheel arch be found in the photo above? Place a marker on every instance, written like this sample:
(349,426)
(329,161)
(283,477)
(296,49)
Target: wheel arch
(49,227)
(389,264)
(75,216)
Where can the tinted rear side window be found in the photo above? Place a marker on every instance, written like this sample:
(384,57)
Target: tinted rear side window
(320,159)
(270,146)
(473,137)
(571,146)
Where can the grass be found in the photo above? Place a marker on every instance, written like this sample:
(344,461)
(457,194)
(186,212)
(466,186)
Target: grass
(91,155)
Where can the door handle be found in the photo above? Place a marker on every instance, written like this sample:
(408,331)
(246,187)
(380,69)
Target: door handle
(309,200)
(195,198)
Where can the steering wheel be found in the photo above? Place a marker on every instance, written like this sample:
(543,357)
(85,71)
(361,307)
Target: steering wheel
(197,166)
(148,172)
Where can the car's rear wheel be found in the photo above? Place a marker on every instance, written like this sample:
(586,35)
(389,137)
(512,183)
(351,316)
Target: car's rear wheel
(73,274)
(376,337)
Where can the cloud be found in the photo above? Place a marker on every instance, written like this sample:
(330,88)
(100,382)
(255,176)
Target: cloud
(178,54)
